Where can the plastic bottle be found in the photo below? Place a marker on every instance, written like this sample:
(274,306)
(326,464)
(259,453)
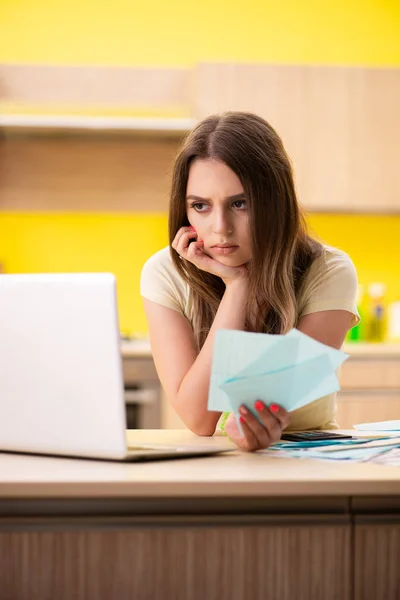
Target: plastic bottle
(357,333)
(394,322)
(377,312)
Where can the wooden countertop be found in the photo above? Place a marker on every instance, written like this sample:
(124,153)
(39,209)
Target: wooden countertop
(136,348)
(140,348)
(234,474)
(379,350)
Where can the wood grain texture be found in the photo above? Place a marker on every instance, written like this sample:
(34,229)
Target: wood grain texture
(143,87)
(85,174)
(366,406)
(222,563)
(340,126)
(377,561)
(370,372)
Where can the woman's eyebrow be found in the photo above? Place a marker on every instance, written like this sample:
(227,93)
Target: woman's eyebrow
(235,197)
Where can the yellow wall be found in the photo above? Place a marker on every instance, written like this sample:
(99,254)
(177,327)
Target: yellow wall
(118,243)
(183,32)
(121,243)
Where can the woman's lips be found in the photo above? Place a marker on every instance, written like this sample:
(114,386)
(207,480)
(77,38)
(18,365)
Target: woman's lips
(224,249)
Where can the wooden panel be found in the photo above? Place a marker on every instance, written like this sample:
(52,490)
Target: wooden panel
(221,563)
(139,369)
(161,88)
(370,373)
(85,174)
(365,407)
(377,560)
(340,126)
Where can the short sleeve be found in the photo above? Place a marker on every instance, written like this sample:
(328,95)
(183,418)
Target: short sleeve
(160,283)
(330,285)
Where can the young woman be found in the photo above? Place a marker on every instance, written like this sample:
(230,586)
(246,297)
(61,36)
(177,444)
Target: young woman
(240,258)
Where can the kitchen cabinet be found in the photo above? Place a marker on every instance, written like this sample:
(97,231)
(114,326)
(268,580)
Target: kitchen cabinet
(142,386)
(370,385)
(340,126)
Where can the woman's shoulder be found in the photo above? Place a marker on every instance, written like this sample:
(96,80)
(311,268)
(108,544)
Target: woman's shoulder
(330,262)
(331,283)
(160,268)
(161,260)
(161,282)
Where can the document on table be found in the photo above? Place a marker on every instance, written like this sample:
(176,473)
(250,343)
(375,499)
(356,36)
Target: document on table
(356,450)
(379,426)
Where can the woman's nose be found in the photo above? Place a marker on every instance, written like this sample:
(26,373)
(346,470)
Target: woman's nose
(222,224)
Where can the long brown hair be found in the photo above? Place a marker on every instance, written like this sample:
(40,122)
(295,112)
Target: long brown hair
(282,250)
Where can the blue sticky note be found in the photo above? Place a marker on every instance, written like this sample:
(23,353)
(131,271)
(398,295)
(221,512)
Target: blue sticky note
(291,370)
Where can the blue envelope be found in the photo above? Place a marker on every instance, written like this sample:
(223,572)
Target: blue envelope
(291,370)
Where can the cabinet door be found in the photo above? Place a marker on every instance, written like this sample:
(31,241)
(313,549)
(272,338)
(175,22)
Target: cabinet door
(302,558)
(339,125)
(377,558)
(364,406)
(372,372)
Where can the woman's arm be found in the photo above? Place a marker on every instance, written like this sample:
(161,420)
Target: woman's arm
(184,375)
(328,326)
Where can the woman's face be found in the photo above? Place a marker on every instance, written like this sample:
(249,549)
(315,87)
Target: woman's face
(216,207)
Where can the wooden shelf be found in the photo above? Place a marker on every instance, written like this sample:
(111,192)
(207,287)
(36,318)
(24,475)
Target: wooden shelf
(56,123)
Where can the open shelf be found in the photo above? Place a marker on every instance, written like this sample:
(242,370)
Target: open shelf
(55,123)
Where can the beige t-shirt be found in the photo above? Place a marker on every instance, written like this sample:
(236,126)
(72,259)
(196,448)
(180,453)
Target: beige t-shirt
(330,284)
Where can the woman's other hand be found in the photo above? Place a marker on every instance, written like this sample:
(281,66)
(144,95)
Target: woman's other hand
(257,435)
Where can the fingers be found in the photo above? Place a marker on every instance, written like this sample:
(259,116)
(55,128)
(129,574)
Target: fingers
(263,436)
(249,442)
(266,427)
(281,415)
(181,241)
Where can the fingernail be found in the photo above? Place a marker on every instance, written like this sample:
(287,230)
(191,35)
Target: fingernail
(274,408)
(192,228)
(243,410)
(202,241)
(259,405)
(242,419)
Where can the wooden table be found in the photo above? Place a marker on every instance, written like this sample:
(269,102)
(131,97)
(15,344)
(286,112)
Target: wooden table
(233,527)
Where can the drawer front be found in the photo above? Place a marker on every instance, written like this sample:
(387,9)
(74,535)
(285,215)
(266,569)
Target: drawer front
(367,407)
(136,370)
(363,373)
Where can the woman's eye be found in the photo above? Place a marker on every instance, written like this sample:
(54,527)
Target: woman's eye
(239,204)
(199,206)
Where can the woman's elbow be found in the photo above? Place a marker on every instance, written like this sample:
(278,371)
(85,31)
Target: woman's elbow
(202,429)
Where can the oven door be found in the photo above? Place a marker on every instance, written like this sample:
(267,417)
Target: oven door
(142,408)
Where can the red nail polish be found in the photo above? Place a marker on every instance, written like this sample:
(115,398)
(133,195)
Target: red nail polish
(274,408)
(242,419)
(259,405)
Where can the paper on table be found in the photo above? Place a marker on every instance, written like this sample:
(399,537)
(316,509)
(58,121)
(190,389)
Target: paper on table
(352,454)
(347,450)
(379,426)
(291,370)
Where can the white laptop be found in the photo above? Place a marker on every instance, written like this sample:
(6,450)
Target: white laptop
(61,384)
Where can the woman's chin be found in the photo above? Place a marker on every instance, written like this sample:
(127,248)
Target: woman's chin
(230,261)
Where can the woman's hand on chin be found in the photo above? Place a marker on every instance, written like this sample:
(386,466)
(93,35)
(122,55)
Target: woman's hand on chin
(193,251)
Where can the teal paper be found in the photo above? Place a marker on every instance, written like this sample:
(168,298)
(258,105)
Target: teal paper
(291,370)
(379,426)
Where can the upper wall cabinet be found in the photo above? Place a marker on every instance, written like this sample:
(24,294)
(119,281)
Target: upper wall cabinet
(340,126)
